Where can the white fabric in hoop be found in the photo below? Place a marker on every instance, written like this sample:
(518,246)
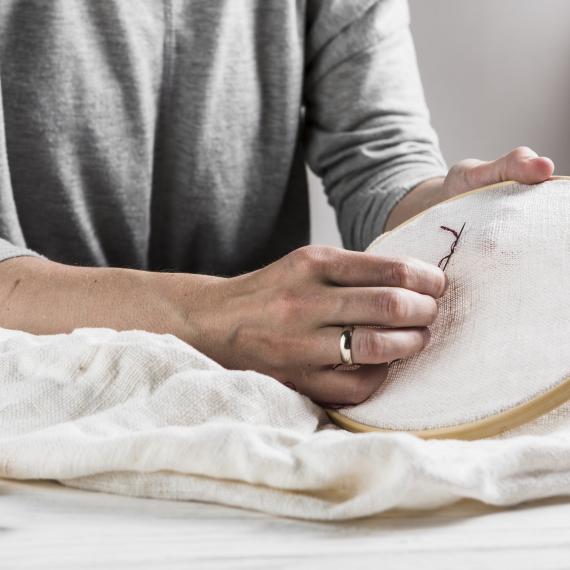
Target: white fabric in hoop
(502,335)
(141,414)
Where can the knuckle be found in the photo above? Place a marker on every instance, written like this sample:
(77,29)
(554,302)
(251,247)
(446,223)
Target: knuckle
(393,305)
(465,172)
(403,273)
(521,151)
(301,305)
(460,169)
(457,169)
(300,258)
(310,259)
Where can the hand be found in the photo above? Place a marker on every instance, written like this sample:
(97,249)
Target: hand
(285,320)
(522,165)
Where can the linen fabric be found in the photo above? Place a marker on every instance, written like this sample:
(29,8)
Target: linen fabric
(136,413)
(502,334)
(173,134)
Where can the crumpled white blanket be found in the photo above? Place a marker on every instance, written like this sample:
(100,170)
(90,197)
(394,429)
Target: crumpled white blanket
(136,413)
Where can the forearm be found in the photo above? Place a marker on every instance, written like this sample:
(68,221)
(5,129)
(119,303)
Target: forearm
(44,297)
(422,197)
(281,320)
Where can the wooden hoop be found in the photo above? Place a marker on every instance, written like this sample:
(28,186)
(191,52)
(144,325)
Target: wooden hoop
(488,426)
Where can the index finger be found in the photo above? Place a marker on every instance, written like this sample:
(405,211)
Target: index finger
(360,269)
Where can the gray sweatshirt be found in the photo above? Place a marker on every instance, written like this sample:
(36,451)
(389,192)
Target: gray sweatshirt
(173,134)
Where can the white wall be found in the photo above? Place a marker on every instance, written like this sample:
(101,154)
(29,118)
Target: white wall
(496,75)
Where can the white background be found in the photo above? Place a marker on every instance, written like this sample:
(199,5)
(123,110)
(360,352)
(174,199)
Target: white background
(496,75)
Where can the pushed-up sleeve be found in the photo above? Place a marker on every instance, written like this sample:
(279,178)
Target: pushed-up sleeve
(367,127)
(8,250)
(12,242)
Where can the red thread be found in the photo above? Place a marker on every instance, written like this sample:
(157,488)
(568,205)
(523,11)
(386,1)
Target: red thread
(448,256)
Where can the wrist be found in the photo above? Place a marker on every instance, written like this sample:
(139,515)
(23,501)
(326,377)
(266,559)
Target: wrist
(420,198)
(45,297)
(192,305)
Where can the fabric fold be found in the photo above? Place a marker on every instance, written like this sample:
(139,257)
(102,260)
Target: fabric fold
(141,414)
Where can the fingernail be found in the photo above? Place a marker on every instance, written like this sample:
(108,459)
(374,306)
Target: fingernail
(427,336)
(446,282)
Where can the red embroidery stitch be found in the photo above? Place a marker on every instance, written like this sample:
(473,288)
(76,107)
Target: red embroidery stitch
(448,256)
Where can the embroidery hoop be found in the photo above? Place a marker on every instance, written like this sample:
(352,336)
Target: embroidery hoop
(488,426)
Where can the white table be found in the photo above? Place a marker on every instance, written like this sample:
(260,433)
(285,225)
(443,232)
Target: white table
(45,525)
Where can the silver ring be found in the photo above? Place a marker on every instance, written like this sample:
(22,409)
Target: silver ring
(346,346)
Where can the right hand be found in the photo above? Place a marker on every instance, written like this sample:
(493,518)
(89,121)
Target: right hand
(285,320)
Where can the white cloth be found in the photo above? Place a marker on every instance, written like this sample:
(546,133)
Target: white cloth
(141,414)
(502,333)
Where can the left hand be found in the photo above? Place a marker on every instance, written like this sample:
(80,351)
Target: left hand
(521,164)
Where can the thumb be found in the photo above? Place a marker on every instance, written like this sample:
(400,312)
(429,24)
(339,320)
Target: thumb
(521,164)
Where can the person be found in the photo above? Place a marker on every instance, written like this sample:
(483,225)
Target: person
(153,177)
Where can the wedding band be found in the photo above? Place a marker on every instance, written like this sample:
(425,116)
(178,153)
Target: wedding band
(346,346)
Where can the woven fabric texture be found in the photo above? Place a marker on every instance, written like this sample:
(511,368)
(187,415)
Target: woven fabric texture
(502,335)
(147,415)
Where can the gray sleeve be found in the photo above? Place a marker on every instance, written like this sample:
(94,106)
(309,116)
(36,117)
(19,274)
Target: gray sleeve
(367,126)
(12,243)
(9,250)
